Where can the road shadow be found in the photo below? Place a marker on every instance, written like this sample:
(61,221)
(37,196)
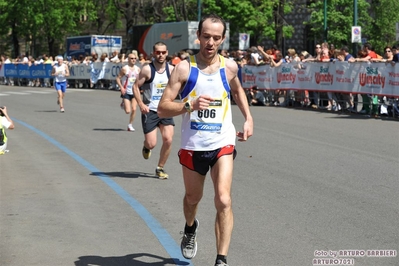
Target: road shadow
(364,117)
(342,114)
(128,260)
(126,174)
(46,111)
(109,129)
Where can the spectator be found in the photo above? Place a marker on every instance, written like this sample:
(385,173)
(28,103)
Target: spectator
(142,59)
(364,55)
(94,57)
(394,50)
(303,56)
(344,55)
(176,58)
(332,52)
(256,97)
(239,55)
(190,52)
(367,54)
(315,99)
(316,57)
(274,50)
(254,57)
(273,95)
(348,97)
(331,97)
(224,53)
(7,80)
(293,55)
(396,56)
(324,55)
(47,82)
(388,54)
(114,57)
(104,83)
(5,123)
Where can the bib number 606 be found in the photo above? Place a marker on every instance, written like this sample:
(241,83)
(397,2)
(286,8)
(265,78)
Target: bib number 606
(207,113)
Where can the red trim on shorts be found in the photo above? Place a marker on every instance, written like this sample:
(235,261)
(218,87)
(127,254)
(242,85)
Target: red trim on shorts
(229,149)
(186,158)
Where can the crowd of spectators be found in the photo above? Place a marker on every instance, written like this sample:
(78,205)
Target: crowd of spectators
(256,56)
(372,105)
(115,57)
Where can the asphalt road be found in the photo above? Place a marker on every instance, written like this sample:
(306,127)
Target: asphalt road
(75,189)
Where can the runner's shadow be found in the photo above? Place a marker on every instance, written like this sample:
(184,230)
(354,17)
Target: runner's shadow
(109,129)
(125,174)
(47,111)
(140,259)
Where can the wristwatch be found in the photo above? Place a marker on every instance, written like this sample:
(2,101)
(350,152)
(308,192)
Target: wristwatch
(187,106)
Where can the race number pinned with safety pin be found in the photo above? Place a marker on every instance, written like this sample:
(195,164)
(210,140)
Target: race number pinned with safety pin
(209,119)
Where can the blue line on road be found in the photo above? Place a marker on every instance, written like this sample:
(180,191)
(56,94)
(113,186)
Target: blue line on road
(163,236)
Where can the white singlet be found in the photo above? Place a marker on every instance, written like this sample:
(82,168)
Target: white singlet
(129,79)
(209,129)
(153,91)
(60,73)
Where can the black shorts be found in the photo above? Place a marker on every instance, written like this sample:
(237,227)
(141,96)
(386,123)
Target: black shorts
(201,161)
(126,96)
(151,121)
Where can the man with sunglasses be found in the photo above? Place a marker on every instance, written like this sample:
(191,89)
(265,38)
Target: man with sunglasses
(125,80)
(153,79)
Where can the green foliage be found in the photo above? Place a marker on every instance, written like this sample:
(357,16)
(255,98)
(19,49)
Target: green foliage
(339,20)
(42,21)
(253,17)
(51,21)
(383,26)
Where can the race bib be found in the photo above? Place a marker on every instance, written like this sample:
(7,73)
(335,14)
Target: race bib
(209,119)
(158,91)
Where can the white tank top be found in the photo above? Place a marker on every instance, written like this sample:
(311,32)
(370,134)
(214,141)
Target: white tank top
(157,86)
(129,79)
(60,71)
(209,129)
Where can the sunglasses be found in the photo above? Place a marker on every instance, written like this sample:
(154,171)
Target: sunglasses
(318,47)
(388,51)
(132,58)
(160,52)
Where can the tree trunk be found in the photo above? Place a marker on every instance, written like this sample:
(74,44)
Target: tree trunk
(278,21)
(15,41)
(50,42)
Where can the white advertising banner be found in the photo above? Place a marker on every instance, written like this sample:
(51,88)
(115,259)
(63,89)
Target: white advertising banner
(369,78)
(95,71)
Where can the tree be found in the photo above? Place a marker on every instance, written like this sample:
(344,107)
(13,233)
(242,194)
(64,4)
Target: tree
(258,18)
(339,20)
(42,21)
(383,26)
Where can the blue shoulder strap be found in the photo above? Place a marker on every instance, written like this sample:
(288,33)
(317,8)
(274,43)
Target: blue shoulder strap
(153,70)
